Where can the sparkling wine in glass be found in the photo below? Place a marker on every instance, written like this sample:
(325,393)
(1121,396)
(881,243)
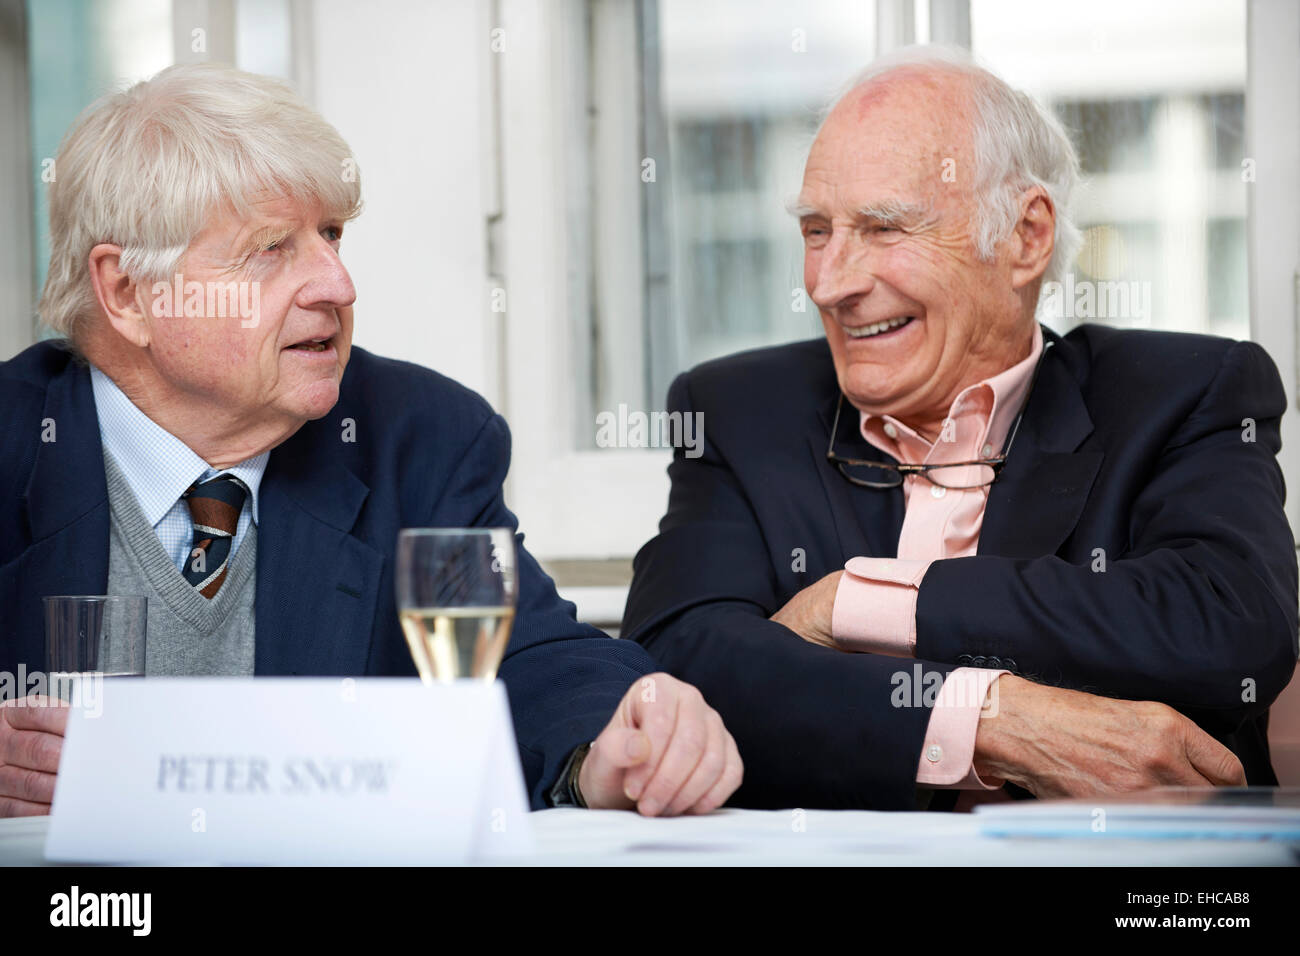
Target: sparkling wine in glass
(456,599)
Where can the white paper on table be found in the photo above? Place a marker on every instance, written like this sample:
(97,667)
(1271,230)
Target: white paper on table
(1223,813)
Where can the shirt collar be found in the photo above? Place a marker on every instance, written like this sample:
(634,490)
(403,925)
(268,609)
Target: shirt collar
(1003,393)
(157,465)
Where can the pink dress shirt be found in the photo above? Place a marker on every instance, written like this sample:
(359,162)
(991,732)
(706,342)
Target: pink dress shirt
(875,604)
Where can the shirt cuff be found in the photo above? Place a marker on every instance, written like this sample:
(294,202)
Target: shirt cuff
(875,606)
(948,754)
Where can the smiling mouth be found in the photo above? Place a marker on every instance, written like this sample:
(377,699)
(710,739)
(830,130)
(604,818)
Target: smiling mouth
(312,345)
(879,328)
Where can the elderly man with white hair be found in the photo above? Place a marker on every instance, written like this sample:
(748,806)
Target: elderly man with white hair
(944,550)
(315,453)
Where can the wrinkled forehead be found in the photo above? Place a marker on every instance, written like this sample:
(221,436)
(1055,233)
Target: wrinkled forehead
(909,136)
(261,203)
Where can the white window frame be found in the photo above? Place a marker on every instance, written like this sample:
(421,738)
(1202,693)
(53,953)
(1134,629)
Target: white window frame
(1273,258)
(1273,216)
(572,503)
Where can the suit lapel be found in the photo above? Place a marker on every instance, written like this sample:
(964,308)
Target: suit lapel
(67,509)
(1037,500)
(317,584)
(67,479)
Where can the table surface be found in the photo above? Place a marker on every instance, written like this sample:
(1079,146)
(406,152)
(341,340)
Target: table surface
(571,837)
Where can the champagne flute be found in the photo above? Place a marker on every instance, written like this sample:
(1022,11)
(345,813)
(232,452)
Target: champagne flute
(456,600)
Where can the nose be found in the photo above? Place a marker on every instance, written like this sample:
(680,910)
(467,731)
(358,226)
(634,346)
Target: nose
(329,284)
(841,272)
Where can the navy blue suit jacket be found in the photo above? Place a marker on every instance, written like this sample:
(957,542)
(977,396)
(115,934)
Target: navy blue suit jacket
(1131,442)
(427,453)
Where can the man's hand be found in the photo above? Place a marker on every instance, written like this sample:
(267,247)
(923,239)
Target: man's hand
(1064,743)
(808,613)
(31,739)
(665,751)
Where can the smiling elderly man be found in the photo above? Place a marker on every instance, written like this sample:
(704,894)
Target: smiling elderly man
(1104,565)
(170,390)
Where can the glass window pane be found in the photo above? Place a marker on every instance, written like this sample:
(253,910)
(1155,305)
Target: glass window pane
(80,50)
(1113,135)
(1154,96)
(742,83)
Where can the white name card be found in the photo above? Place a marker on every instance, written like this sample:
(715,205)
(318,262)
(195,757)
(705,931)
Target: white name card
(289,770)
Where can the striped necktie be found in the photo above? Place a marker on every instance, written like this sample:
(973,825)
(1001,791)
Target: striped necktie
(214,507)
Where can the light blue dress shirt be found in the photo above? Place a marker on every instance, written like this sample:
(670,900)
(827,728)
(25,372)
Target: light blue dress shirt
(158,467)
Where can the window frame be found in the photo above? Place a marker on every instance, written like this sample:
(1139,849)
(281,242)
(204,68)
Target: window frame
(572,503)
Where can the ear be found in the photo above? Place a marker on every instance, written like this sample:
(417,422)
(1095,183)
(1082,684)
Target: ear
(117,294)
(1034,238)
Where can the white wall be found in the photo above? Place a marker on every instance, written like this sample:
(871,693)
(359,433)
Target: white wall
(403,81)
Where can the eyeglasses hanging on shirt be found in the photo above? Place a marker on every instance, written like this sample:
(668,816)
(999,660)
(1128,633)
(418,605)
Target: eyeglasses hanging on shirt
(958,475)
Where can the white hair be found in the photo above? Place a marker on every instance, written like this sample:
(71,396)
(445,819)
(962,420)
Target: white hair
(146,168)
(1018,144)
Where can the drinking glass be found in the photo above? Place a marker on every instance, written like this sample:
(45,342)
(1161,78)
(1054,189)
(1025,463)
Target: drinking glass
(93,635)
(456,600)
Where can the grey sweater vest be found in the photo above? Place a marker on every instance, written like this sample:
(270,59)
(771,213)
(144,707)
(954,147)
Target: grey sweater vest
(188,635)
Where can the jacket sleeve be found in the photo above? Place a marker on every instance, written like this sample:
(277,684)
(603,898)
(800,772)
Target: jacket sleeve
(815,727)
(1198,612)
(564,679)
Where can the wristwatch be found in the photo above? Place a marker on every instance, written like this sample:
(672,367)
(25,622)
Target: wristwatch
(565,793)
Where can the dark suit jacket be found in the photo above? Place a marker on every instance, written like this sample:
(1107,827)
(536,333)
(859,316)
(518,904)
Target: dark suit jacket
(427,453)
(1131,442)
